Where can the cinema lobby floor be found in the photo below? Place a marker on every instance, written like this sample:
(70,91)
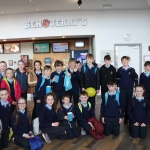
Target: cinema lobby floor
(122,142)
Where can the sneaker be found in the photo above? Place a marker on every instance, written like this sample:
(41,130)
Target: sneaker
(46,138)
(83,132)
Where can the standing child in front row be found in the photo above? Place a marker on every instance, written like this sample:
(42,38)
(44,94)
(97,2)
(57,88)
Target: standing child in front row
(5,117)
(49,124)
(90,77)
(69,125)
(127,78)
(22,77)
(112,110)
(145,79)
(40,89)
(22,124)
(139,113)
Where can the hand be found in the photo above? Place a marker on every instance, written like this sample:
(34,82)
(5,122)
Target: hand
(53,80)
(103,120)
(38,101)
(72,116)
(143,125)
(97,91)
(120,120)
(66,117)
(75,69)
(27,136)
(83,89)
(91,125)
(55,124)
(68,74)
(14,103)
(136,124)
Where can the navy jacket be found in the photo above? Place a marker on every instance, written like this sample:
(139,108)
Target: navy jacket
(112,109)
(23,125)
(85,115)
(139,112)
(47,117)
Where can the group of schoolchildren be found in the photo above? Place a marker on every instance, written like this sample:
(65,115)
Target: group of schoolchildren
(116,92)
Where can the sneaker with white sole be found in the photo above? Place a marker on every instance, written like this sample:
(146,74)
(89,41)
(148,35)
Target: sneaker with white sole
(83,132)
(46,137)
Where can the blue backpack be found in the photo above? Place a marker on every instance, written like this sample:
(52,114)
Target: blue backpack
(43,81)
(117,98)
(95,70)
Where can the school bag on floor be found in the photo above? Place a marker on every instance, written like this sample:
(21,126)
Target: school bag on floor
(36,143)
(36,124)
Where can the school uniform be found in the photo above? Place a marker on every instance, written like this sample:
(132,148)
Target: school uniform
(83,113)
(126,80)
(70,126)
(47,116)
(145,80)
(90,78)
(75,80)
(106,73)
(5,114)
(1,77)
(21,129)
(22,78)
(40,91)
(138,111)
(58,88)
(111,110)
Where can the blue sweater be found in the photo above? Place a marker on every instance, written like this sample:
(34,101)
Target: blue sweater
(60,85)
(85,115)
(23,124)
(75,79)
(139,112)
(47,117)
(40,94)
(124,79)
(145,81)
(112,109)
(5,115)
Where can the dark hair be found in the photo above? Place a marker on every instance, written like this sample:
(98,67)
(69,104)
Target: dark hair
(37,61)
(107,57)
(89,56)
(47,67)
(72,60)
(54,97)
(78,62)
(3,89)
(125,57)
(9,69)
(142,86)
(65,95)
(16,112)
(4,62)
(83,93)
(147,63)
(111,82)
(58,63)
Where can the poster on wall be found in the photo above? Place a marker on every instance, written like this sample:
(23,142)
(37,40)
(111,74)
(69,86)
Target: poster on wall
(12,48)
(1,48)
(25,59)
(10,62)
(41,48)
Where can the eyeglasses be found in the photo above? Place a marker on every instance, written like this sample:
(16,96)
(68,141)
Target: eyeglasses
(21,103)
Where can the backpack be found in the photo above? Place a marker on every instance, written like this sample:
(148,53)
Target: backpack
(117,98)
(95,69)
(80,106)
(132,72)
(43,80)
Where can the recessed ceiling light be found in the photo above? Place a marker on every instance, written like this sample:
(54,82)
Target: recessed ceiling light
(33,38)
(37,9)
(107,6)
(63,37)
(2,12)
(4,40)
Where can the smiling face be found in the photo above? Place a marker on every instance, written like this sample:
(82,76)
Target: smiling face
(59,68)
(147,68)
(9,74)
(112,88)
(107,62)
(50,100)
(66,100)
(37,66)
(125,62)
(139,91)
(21,66)
(3,67)
(47,72)
(21,104)
(89,60)
(72,65)
(83,98)
(4,95)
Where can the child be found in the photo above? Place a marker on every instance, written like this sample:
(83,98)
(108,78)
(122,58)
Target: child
(22,76)
(145,79)
(5,113)
(38,73)
(21,124)
(40,89)
(112,110)
(75,80)
(90,77)
(84,112)
(49,124)
(3,67)
(139,113)
(107,72)
(78,66)
(126,77)
(12,86)
(70,126)
(58,86)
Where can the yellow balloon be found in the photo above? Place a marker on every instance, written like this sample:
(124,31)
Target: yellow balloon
(91,91)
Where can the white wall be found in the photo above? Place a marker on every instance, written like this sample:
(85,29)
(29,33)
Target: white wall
(107,26)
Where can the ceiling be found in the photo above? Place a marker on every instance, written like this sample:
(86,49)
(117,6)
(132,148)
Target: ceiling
(8,7)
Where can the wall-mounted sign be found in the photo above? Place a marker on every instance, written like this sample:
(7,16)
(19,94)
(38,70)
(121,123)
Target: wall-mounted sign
(45,23)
